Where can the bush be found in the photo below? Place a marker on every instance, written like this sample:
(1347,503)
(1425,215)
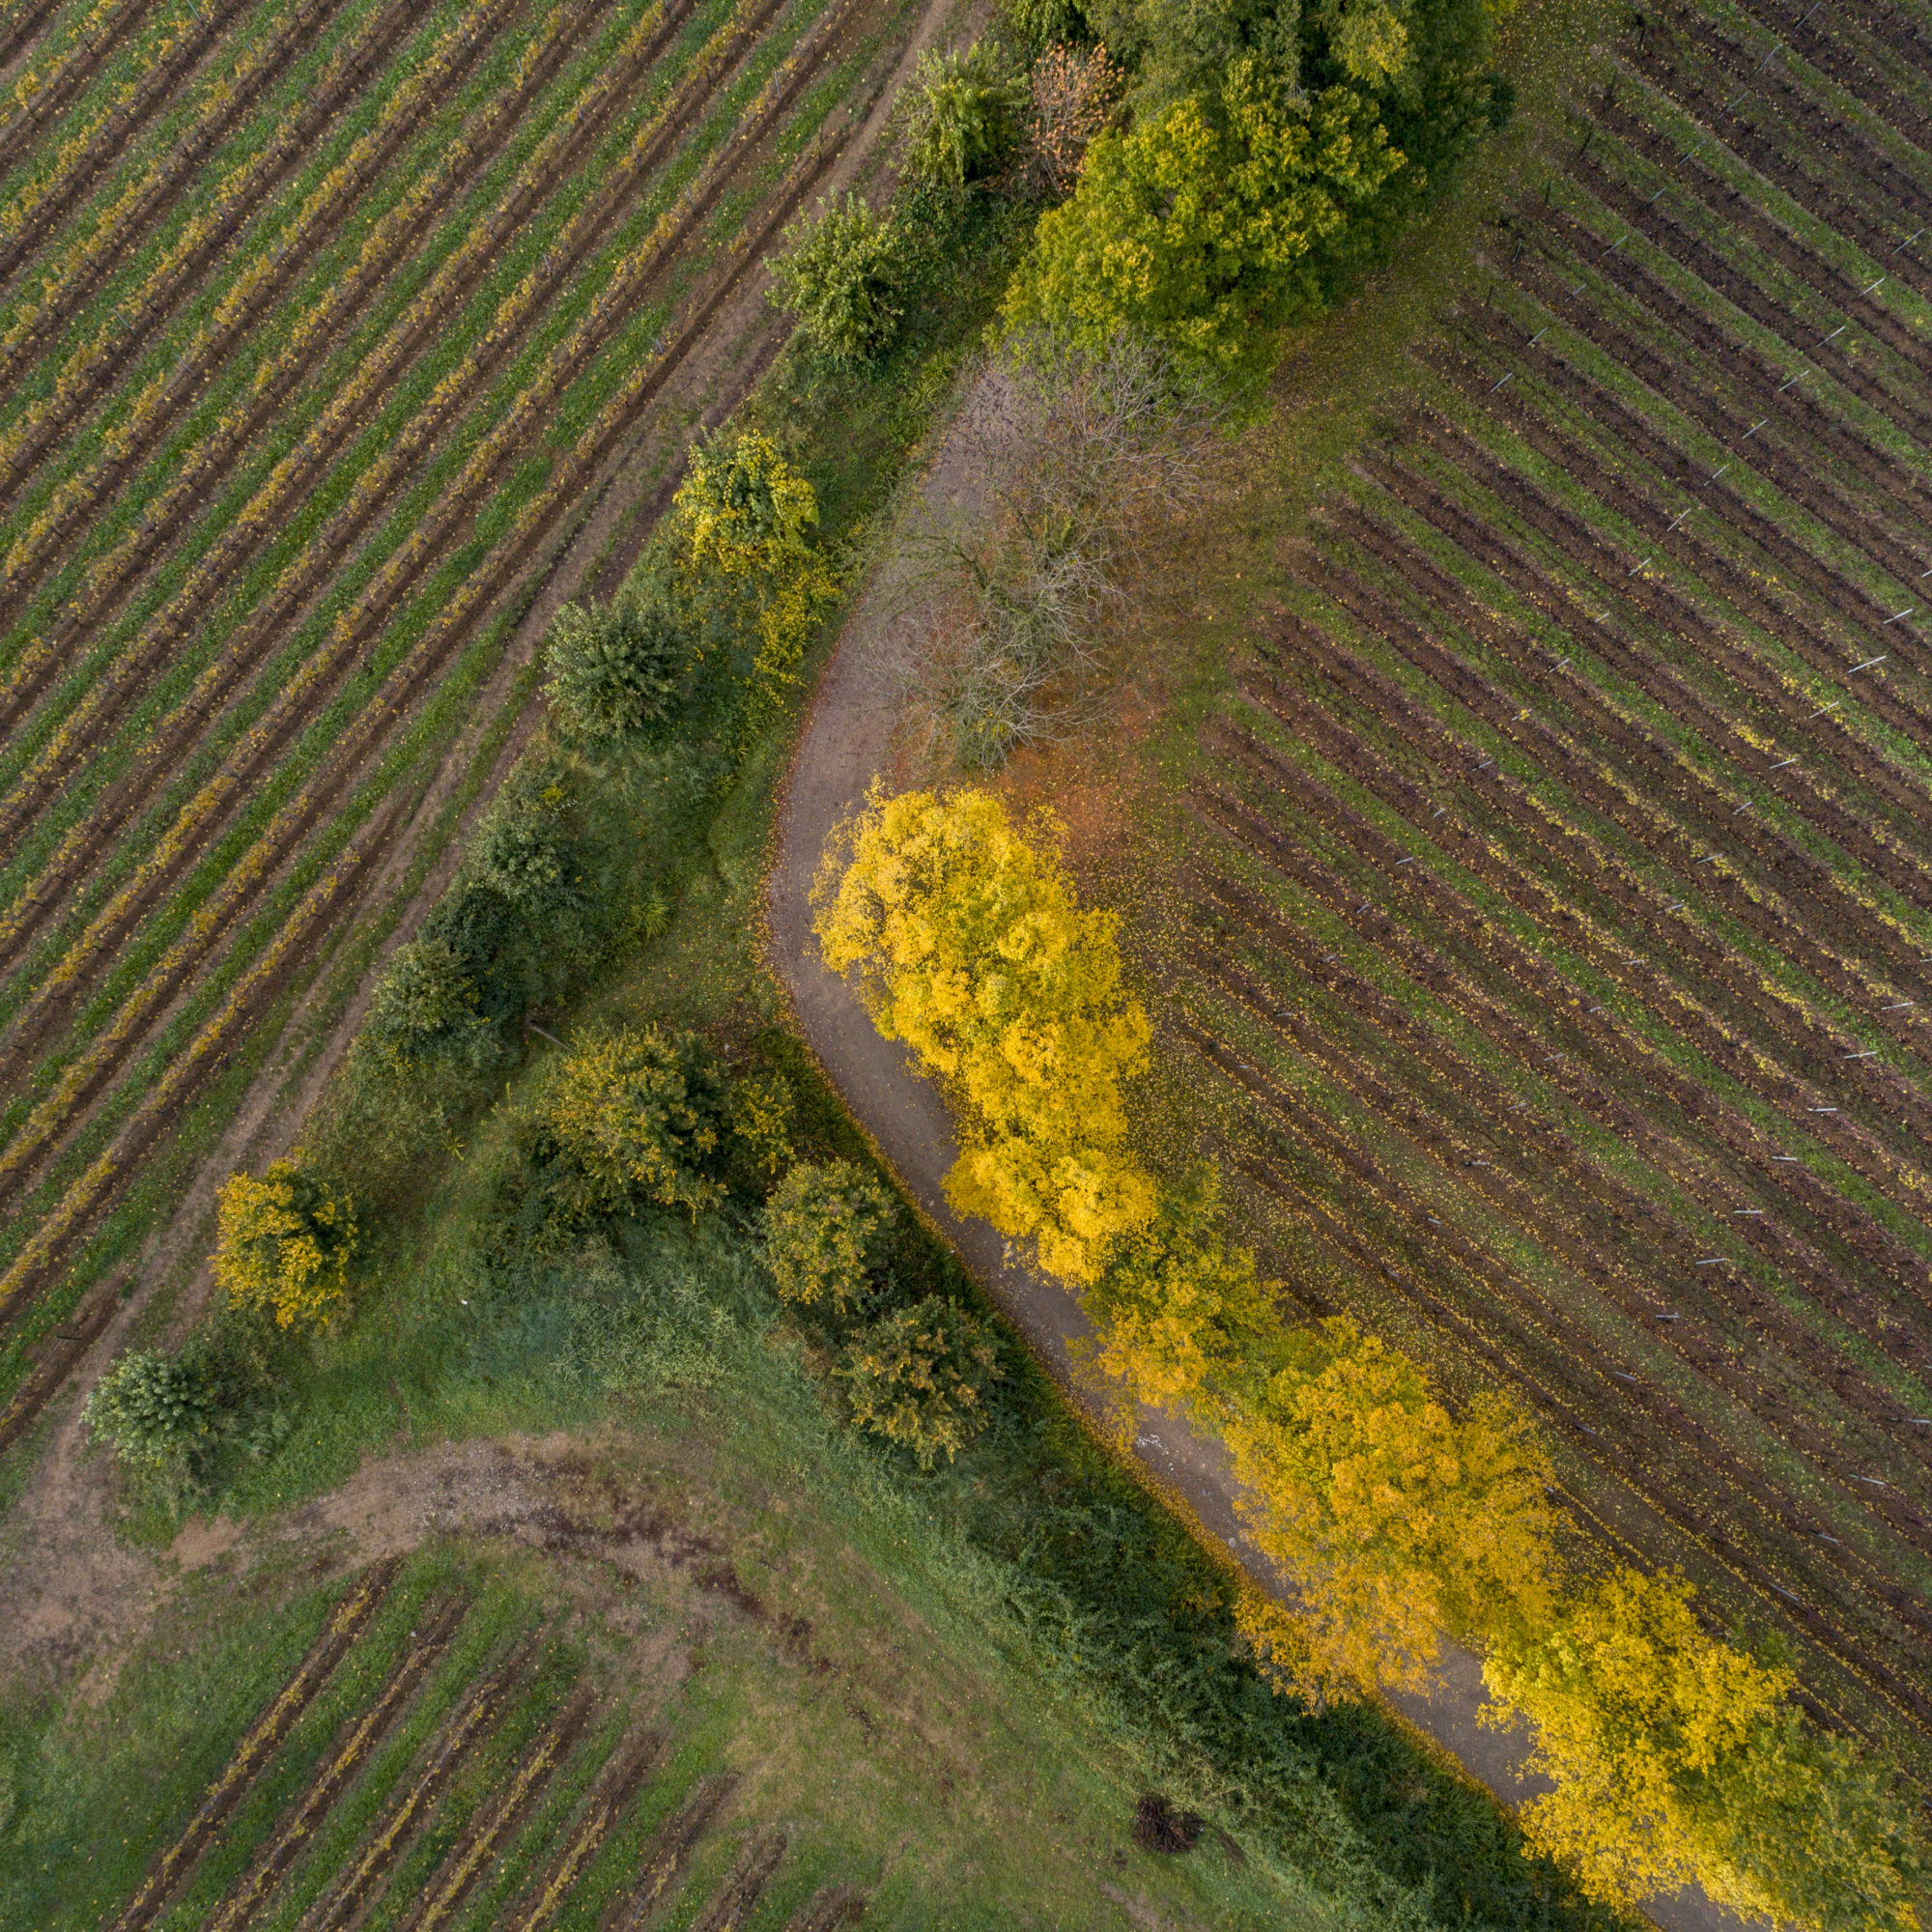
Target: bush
(639,1114)
(825,1230)
(842,276)
(763,1122)
(162,1412)
(425,1008)
(963,116)
(745,519)
(284,1244)
(917,1375)
(613,671)
(523,856)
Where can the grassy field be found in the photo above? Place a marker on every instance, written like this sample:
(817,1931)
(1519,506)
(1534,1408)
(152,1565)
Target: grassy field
(1547,931)
(319,327)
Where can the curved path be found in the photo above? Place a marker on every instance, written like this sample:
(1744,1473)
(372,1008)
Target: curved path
(844,745)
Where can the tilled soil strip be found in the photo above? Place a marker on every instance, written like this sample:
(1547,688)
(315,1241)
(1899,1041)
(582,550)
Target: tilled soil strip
(827,1910)
(303,472)
(441,528)
(617,1785)
(85,168)
(101,362)
(1867,1248)
(472,1854)
(1617,903)
(1834,500)
(343,1904)
(1752,377)
(1709,809)
(390,243)
(345,1623)
(669,1854)
(290,485)
(1832,352)
(47,1250)
(340,1763)
(1753,591)
(739,1896)
(1613,1216)
(55,1359)
(1732,208)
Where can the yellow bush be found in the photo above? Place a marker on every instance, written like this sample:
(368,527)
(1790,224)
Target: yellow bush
(284,1243)
(747,516)
(1399,1522)
(639,1114)
(972,947)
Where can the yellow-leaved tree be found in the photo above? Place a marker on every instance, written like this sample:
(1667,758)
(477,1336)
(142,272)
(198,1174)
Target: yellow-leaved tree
(1677,1758)
(1399,1522)
(747,516)
(1181,1314)
(284,1243)
(971,946)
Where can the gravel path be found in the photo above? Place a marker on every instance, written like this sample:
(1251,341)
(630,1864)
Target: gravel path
(844,746)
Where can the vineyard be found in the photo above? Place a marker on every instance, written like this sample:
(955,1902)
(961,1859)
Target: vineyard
(427,1753)
(1559,927)
(325,327)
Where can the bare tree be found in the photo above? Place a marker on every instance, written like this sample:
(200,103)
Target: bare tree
(1079,467)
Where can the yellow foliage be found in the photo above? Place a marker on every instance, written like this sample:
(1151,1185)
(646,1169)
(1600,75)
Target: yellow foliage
(1677,1760)
(747,515)
(1178,1309)
(1399,1522)
(972,949)
(284,1243)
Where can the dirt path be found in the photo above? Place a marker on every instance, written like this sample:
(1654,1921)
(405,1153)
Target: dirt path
(845,744)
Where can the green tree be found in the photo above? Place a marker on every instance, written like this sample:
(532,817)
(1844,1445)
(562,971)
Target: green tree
(826,1230)
(963,116)
(613,670)
(425,1008)
(843,276)
(917,1377)
(639,1114)
(1199,227)
(1677,1759)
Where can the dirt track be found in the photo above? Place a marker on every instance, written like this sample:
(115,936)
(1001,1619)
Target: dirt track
(844,745)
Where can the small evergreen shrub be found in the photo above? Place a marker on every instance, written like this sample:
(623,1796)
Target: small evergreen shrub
(613,671)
